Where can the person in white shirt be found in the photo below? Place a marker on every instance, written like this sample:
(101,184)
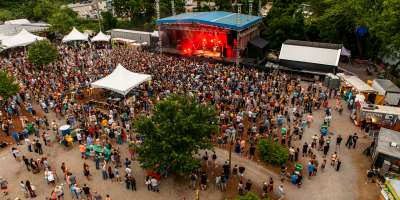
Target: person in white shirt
(281,192)
(154,184)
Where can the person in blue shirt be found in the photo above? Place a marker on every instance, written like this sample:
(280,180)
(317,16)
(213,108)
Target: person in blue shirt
(310,168)
(15,136)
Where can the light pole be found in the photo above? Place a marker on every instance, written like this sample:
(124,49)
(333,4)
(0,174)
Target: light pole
(173,7)
(231,140)
(250,7)
(239,5)
(159,26)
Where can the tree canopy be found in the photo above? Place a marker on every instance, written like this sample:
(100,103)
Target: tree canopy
(8,85)
(179,128)
(42,53)
(337,22)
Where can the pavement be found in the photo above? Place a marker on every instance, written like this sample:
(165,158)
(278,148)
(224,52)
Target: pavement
(347,184)
(14,171)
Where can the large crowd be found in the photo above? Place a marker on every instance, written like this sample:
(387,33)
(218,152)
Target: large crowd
(251,104)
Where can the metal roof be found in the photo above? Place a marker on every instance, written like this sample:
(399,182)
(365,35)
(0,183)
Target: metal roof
(228,20)
(357,83)
(385,137)
(310,54)
(259,42)
(314,44)
(12,29)
(387,85)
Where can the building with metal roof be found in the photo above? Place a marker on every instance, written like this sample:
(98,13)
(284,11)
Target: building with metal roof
(387,89)
(227,20)
(387,147)
(310,56)
(13,27)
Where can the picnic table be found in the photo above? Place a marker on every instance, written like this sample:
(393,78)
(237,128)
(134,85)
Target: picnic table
(99,149)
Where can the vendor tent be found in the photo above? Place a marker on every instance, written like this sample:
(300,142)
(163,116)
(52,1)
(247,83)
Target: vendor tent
(357,83)
(101,37)
(121,80)
(23,38)
(75,35)
(345,52)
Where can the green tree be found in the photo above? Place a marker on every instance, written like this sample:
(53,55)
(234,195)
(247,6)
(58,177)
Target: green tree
(6,15)
(8,86)
(385,25)
(273,152)
(108,21)
(121,7)
(63,20)
(42,53)
(224,5)
(250,196)
(179,128)
(44,9)
(283,23)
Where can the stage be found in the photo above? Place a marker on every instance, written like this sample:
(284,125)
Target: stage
(201,54)
(222,36)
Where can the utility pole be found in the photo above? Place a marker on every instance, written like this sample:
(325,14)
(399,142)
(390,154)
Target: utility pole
(98,14)
(239,11)
(250,7)
(173,7)
(159,26)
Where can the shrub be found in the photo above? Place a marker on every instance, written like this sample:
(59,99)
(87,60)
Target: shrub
(248,196)
(42,53)
(273,152)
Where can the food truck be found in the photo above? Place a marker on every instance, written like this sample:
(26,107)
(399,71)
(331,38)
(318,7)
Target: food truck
(379,116)
(352,85)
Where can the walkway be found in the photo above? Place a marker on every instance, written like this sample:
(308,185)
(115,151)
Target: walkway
(347,184)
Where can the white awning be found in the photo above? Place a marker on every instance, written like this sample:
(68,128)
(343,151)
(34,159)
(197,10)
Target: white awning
(75,35)
(101,37)
(123,40)
(23,38)
(345,52)
(17,21)
(121,80)
(155,34)
(2,37)
(357,83)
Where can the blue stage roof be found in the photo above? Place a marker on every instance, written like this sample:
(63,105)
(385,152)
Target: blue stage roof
(217,18)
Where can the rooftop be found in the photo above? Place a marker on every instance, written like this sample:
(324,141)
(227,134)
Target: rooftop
(388,85)
(222,19)
(313,44)
(386,136)
(13,27)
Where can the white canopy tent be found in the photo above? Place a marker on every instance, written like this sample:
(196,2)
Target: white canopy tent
(75,35)
(121,80)
(101,37)
(345,52)
(2,37)
(357,83)
(23,38)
